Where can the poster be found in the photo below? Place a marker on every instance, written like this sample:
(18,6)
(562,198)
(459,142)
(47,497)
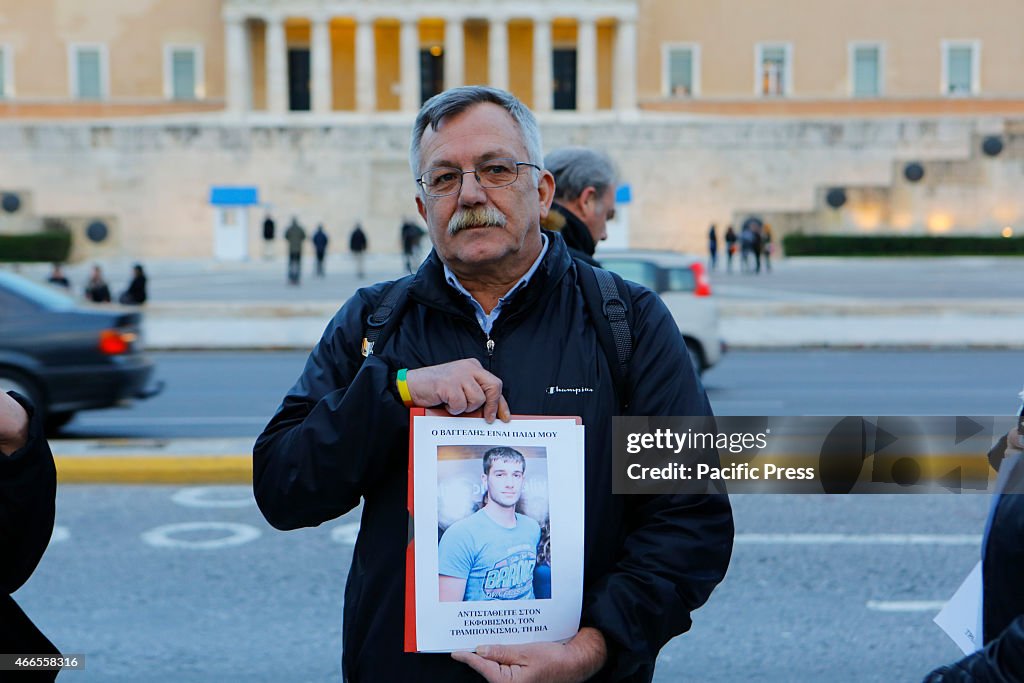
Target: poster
(497,548)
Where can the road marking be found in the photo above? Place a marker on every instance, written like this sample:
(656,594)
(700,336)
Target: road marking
(345,533)
(858,539)
(175,421)
(906,605)
(60,534)
(238,534)
(214,497)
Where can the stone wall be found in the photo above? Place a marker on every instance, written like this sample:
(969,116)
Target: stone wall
(153,178)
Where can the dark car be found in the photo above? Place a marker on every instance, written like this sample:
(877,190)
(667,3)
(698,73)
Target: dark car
(66,357)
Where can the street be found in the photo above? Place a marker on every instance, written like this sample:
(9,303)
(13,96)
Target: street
(168,584)
(233,394)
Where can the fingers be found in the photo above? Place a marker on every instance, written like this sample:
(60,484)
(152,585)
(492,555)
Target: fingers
(460,386)
(485,667)
(490,389)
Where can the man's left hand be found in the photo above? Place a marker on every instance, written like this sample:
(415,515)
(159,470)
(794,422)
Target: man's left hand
(571,662)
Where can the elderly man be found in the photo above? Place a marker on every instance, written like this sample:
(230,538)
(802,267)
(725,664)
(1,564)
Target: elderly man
(585,182)
(494,318)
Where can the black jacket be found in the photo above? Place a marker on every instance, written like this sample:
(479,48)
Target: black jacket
(341,433)
(575,233)
(1002,659)
(28,485)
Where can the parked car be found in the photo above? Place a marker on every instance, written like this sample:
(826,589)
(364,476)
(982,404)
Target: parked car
(681,282)
(67,357)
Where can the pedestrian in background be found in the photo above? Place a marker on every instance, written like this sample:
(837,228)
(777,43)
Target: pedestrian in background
(746,246)
(585,181)
(268,237)
(320,240)
(96,289)
(295,236)
(58,278)
(411,236)
(756,245)
(135,295)
(712,247)
(357,245)
(768,246)
(730,247)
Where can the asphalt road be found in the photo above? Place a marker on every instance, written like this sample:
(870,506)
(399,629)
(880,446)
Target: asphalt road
(227,598)
(233,394)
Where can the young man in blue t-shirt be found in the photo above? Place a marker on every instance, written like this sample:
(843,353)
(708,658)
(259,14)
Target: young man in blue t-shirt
(491,554)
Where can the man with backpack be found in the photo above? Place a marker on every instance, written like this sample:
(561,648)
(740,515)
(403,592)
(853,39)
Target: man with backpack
(498,318)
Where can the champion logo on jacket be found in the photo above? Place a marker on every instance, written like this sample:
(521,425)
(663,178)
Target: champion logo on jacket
(568,390)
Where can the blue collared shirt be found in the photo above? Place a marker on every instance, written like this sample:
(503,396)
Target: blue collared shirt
(487,320)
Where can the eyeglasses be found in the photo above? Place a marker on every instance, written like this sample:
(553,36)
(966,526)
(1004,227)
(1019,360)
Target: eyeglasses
(491,174)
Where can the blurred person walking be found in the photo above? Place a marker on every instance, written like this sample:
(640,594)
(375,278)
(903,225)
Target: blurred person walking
(135,295)
(269,228)
(712,247)
(58,278)
(746,247)
(768,246)
(730,247)
(295,236)
(756,246)
(585,182)
(357,244)
(96,289)
(411,236)
(320,240)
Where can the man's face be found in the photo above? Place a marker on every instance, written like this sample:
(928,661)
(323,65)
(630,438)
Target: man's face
(504,482)
(598,211)
(466,140)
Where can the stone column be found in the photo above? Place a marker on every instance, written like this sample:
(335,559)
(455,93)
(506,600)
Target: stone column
(624,76)
(497,53)
(410,65)
(320,65)
(366,61)
(542,76)
(277,68)
(454,53)
(238,71)
(586,65)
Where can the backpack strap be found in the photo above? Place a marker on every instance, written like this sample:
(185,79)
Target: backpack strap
(606,297)
(381,323)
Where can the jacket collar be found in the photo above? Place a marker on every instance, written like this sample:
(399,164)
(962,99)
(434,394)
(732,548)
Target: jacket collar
(430,288)
(576,233)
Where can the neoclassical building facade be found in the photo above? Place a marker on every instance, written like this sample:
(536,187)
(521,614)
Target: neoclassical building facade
(384,56)
(178,123)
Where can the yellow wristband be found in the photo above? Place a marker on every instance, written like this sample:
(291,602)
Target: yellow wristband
(403,387)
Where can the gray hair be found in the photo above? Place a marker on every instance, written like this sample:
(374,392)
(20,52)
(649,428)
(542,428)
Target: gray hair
(457,100)
(577,168)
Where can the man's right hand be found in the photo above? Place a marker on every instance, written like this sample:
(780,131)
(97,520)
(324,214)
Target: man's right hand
(13,425)
(461,386)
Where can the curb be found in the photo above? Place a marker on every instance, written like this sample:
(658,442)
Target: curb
(149,469)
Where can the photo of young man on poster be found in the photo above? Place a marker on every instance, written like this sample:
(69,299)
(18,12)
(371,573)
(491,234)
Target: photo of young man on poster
(499,551)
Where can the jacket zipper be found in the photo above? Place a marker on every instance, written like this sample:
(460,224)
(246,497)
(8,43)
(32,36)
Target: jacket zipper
(489,347)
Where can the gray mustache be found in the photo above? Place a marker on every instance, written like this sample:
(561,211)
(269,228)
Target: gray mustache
(484,216)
